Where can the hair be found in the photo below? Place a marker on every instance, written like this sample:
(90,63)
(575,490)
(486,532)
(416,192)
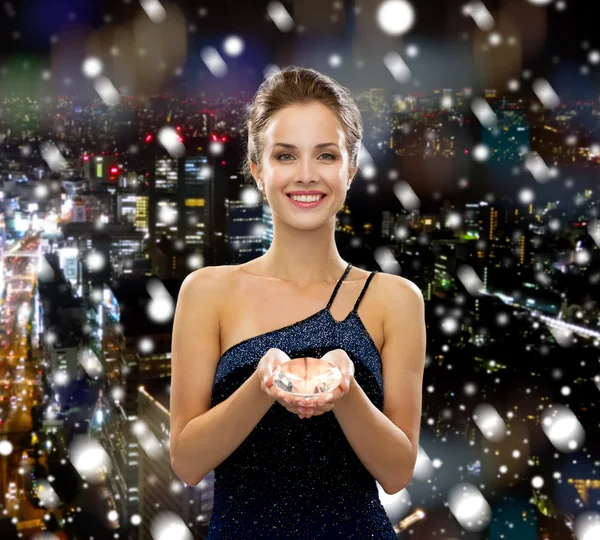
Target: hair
(298,85)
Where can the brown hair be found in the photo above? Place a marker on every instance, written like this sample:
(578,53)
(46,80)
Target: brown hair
(298,85)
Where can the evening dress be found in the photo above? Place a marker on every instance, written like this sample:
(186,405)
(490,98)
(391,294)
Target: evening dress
(293,478)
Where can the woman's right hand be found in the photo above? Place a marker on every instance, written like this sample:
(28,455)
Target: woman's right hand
(264,371)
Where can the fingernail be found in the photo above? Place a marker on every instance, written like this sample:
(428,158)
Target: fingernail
(347,383)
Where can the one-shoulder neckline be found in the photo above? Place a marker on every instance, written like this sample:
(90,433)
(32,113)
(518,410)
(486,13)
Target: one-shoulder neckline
(350,314)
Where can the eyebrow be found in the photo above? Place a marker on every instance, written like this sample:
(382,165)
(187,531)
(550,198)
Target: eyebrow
(294,147)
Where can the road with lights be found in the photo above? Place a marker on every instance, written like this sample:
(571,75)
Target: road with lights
(19,387)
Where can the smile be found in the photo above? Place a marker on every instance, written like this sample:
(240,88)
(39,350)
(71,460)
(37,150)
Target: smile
(310,204)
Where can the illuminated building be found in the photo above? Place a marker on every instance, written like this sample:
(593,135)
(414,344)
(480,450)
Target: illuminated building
(127,207)
(249,230)
(103,169)
(583,486)
(109,426)
(444,271)
(141,213)
(183,196)
(159,489)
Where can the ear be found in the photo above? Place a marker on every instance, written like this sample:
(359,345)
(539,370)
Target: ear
(256,172)
(352,173)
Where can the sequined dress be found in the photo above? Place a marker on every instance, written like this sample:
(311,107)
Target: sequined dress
(293,478)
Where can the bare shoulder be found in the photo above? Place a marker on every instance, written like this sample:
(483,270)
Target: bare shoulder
(399,297)
(391,284)
(209,278)
(195,349)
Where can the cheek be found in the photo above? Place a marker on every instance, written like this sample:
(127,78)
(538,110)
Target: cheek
(279,178)
(342,176)
(277,170)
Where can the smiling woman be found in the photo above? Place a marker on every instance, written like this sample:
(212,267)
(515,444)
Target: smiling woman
(289,466)
(325,108)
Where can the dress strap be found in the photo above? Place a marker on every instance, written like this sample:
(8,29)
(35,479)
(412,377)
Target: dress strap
(362,293)
(337,286)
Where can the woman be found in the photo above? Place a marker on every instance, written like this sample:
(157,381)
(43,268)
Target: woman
(286,468)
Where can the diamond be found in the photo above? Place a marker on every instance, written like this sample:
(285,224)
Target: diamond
(307,377)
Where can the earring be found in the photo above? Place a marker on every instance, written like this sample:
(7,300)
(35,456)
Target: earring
(260,188)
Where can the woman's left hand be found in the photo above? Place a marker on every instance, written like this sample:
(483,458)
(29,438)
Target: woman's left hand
(322,404)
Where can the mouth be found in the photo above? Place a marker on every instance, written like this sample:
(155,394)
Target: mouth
(311,204)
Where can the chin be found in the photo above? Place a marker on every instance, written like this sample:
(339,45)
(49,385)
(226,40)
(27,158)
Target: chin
(310,223)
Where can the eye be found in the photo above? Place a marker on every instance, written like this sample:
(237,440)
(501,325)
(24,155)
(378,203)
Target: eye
(331,157)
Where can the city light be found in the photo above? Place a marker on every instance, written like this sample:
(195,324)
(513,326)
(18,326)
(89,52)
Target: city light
(136,248)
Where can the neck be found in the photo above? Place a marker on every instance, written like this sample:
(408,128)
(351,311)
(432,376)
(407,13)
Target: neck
(304,257)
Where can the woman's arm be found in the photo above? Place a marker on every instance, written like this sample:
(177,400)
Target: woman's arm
(208,439)
(202,437)
(387,443)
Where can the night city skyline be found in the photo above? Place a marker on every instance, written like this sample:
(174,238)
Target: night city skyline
(122,139)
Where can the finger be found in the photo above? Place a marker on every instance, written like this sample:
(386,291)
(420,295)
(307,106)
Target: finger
(299,401)
(287,395)
(319,412)
(288,404)
(283,396)
(313,403)
(325,399)
(316,412)
(290,407)
(326,408)
(302,412)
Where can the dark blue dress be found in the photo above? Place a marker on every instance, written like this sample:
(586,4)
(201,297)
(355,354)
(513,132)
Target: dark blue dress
(294,478)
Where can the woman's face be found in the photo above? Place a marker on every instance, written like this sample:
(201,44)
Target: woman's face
(305,149)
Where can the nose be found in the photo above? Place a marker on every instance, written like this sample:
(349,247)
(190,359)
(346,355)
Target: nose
(307,171)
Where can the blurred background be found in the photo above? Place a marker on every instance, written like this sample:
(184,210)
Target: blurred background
(121,144)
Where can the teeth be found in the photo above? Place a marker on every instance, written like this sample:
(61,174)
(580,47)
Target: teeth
(305,198)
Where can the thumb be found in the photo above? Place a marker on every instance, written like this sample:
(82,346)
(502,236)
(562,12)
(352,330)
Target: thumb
(268,374)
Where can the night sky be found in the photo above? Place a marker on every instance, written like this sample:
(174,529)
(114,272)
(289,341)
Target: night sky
(553,42)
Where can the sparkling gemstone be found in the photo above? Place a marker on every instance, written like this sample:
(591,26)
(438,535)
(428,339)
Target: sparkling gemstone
(306,377)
